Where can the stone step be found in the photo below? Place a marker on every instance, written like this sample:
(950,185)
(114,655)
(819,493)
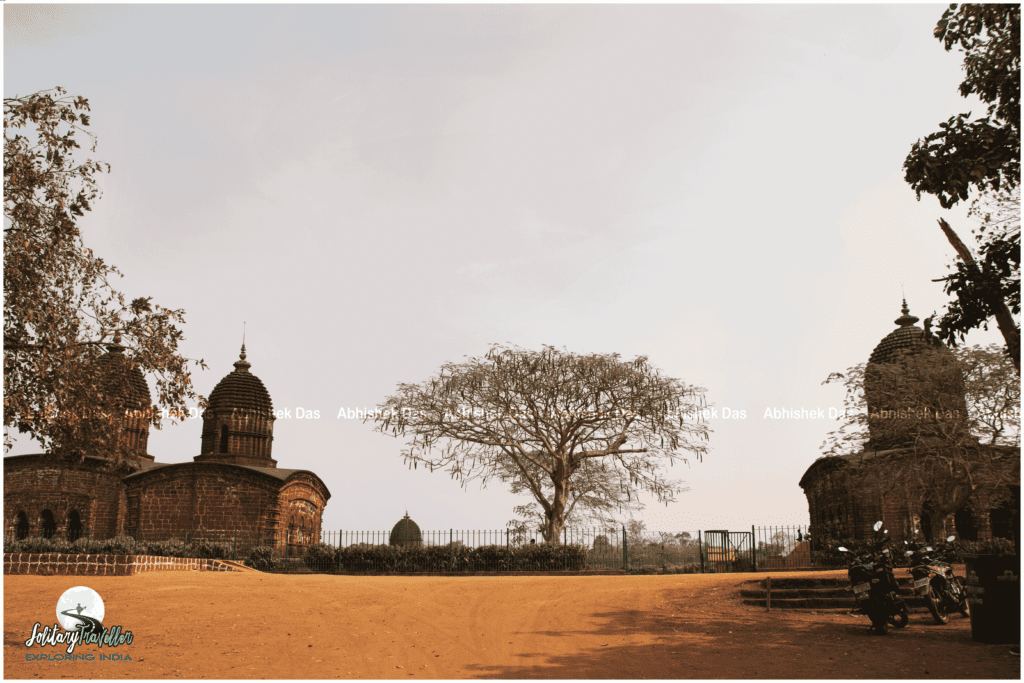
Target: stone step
(821,605)
(831,593)
(786,582)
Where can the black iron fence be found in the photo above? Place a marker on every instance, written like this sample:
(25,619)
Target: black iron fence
(457,550)
(776,548)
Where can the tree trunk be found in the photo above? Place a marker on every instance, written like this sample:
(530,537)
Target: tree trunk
(1002,312)
(555,518)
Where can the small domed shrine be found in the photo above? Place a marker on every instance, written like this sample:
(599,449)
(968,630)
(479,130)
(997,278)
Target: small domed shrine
(406,533)
(841,506)
(232,489)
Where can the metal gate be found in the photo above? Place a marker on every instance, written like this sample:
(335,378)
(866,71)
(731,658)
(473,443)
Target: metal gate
(729,551)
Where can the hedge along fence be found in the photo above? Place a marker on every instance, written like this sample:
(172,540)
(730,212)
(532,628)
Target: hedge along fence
(200,548)
(364,557)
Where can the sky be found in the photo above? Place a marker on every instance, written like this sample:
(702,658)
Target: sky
(376,190)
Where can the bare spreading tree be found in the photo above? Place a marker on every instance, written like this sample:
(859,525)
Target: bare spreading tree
(548,422)
(596,496)
(993,394)
(908,428)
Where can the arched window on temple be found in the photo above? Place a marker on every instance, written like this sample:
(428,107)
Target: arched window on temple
(74,526)
(224,439)
(926,523)
(966,529)
(1005,518)
(49,524)
(21,530)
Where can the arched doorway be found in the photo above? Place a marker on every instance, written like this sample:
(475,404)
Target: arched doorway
(966,529)
(49,524)
(74,526)
(21,530)
(926,523)
(1005,519)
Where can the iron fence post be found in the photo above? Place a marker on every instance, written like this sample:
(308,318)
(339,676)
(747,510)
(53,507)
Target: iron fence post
(753,550)
(700,550)
(625,549)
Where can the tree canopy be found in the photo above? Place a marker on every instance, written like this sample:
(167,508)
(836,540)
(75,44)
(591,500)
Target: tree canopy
(572,430)
(60,310)
(983,153)
(987,287)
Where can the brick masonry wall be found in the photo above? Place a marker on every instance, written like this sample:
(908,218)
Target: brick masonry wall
(104,565)
(300,511)
(33,484)
(840,504)
(166,502)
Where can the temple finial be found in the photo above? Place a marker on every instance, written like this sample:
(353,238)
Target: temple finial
(115,345)
(242,365)
(906,319)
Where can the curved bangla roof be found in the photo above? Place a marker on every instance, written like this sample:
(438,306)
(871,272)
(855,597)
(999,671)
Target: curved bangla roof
(241,389)
(275,472)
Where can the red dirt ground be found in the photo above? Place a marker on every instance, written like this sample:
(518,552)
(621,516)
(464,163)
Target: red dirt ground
(252,625)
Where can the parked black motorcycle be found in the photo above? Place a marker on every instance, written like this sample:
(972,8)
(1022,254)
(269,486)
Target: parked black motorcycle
(874,586)
(934,579)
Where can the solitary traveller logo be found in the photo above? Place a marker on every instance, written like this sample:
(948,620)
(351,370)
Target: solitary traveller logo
(80,613)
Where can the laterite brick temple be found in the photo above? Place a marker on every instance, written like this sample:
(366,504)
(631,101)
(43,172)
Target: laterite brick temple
(232,488)
(842,508)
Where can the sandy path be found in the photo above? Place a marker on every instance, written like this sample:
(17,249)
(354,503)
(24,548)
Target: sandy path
(251,625)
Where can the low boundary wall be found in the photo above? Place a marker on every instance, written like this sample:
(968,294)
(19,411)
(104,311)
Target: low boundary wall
(105,565)
(585,572)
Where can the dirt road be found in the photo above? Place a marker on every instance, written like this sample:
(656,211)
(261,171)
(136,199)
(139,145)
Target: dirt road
(251,625)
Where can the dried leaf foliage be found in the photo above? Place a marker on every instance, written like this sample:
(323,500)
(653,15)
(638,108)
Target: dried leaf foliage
(60,310)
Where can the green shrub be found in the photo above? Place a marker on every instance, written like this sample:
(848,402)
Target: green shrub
(122,545)
(321,557)
(210,550)
(263,558)
(86,546)
(995,546)
(549,557)
(490,558)
(362,557)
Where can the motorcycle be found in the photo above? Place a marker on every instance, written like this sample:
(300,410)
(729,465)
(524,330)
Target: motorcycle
(874,586)
(934,579)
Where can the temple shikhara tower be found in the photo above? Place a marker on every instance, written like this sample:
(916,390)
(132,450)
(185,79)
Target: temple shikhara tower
(842,501)
(232,488)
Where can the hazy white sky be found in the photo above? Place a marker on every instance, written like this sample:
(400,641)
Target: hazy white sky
(378,189)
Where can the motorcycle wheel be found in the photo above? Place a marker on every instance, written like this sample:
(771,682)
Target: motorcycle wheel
(965,608)
(937,606)
(901,618)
